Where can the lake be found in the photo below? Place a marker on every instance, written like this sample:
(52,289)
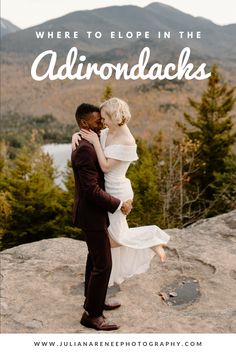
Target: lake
(60,153)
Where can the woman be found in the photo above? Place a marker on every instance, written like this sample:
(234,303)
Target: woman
(132,248)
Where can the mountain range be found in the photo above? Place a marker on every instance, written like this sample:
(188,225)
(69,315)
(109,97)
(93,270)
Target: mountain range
(216,42)
(7,27)
(153,104)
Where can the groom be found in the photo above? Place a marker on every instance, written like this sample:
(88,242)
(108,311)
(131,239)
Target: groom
(91,205)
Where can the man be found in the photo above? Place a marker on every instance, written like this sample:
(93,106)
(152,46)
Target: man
(90,214)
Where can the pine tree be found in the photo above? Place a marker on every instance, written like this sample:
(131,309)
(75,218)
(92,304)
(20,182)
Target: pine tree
(146,207)
(211,130)
(35,202)
(107,93)
(5,195)
(67,202)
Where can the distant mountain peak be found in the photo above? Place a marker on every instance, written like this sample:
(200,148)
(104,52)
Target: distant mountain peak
(154,18)
(7,27)
(164,6)
(156,3)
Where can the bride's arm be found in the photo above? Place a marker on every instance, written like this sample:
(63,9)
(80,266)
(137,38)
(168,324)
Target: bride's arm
(75,140)
(105,164)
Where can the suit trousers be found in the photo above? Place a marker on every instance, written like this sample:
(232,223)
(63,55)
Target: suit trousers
(98,270)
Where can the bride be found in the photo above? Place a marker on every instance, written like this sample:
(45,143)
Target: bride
(132,248)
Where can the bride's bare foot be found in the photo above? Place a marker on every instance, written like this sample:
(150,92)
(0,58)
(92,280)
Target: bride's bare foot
(161,253)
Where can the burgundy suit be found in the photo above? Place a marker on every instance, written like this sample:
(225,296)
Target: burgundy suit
(91,205)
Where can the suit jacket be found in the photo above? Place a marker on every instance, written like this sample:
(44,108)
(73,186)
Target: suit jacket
(91,202)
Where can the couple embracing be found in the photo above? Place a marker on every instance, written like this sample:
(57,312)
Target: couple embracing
(102,153)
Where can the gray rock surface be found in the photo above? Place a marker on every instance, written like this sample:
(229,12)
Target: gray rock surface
(42,285)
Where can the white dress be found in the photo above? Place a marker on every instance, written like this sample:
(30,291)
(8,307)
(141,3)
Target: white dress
(135,254)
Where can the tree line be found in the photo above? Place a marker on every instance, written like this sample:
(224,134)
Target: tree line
(17,130)
(192,177)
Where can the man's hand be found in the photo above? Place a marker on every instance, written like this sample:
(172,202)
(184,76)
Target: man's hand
(127,207)
(75,140)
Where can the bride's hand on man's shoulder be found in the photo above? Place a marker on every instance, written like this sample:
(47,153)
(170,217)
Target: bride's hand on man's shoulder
(75,140)
(90,136)
(127,207)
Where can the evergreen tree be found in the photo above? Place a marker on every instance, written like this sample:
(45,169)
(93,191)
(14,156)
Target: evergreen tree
(225,188)
(107,93)
(146,207)
(5,196)
(210,130)
(36,210)
(67,203)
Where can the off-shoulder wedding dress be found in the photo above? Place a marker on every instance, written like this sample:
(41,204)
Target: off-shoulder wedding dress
(135,254)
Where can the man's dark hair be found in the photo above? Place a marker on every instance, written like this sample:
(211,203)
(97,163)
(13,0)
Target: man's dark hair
(84,110)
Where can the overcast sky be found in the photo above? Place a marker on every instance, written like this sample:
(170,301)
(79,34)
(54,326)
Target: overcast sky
(26,13)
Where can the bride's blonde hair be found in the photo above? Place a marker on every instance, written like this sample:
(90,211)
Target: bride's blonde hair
(117,109)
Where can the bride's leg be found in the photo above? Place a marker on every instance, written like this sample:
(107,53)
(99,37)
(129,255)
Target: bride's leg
(159,249)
